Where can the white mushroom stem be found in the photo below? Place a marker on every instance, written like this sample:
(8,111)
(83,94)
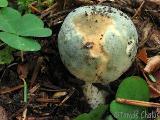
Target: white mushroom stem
(94,96)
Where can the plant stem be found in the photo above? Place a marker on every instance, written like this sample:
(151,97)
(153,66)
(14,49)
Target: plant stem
(22,57)
(137,103)
(25,91)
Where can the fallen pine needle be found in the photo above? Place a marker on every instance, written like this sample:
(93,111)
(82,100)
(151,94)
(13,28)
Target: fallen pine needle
(9,90)
(137,103)
(43,100)
(34,9)
(138,10)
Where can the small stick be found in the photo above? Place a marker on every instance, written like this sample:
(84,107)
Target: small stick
(33,89)
(137,103)
(67,97)
(139,9)
(43,100)
(36,71)
(34,9)
(9,90)
(47,11)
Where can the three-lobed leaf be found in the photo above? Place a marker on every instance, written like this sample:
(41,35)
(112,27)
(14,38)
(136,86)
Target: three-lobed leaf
(31,25)
(20,43)
(133,88)
(17,28)
(3,3)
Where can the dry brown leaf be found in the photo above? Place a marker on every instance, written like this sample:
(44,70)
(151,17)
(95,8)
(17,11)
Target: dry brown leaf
(155,1)
(146,32)
(142,55)
(154,40)
(153,64)
(22,70)
(3,114)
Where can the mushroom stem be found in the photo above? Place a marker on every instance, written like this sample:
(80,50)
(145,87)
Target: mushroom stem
(93,95)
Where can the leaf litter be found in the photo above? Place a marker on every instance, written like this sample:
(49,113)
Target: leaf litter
(54,79)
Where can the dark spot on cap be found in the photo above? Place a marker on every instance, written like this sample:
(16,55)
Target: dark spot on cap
(129,55)
(121,14)
(88,45)
(129,42)
(110,10)
(86,14)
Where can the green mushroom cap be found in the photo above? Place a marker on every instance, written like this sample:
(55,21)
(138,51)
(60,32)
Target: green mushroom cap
(97,43)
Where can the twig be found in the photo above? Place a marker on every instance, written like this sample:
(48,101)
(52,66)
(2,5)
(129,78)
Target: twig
(138,10)
(47,11)
(50,90)
(31,91)
(60,13)
(36,71)
(9,90)
(137,103)
(44,100)
(34,9)
(67,97)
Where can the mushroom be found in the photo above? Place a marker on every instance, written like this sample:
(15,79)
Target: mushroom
(97,44)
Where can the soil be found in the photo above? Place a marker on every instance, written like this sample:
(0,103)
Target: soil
(55,94)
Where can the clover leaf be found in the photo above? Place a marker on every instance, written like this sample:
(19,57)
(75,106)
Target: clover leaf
(3,3)
(133,88)
(17,30)
(95,114)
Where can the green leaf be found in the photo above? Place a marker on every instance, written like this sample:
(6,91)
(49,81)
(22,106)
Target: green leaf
(133,88)
(83,116)
(20,43)
(109,118)
(6,56)
(28,25)
(95,114)
(3,3)
(17,28)
(33,26)
(9,20)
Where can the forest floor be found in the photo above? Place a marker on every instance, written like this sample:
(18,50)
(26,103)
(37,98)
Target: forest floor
(55,94)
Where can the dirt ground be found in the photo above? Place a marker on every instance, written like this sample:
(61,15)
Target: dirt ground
(55,94)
